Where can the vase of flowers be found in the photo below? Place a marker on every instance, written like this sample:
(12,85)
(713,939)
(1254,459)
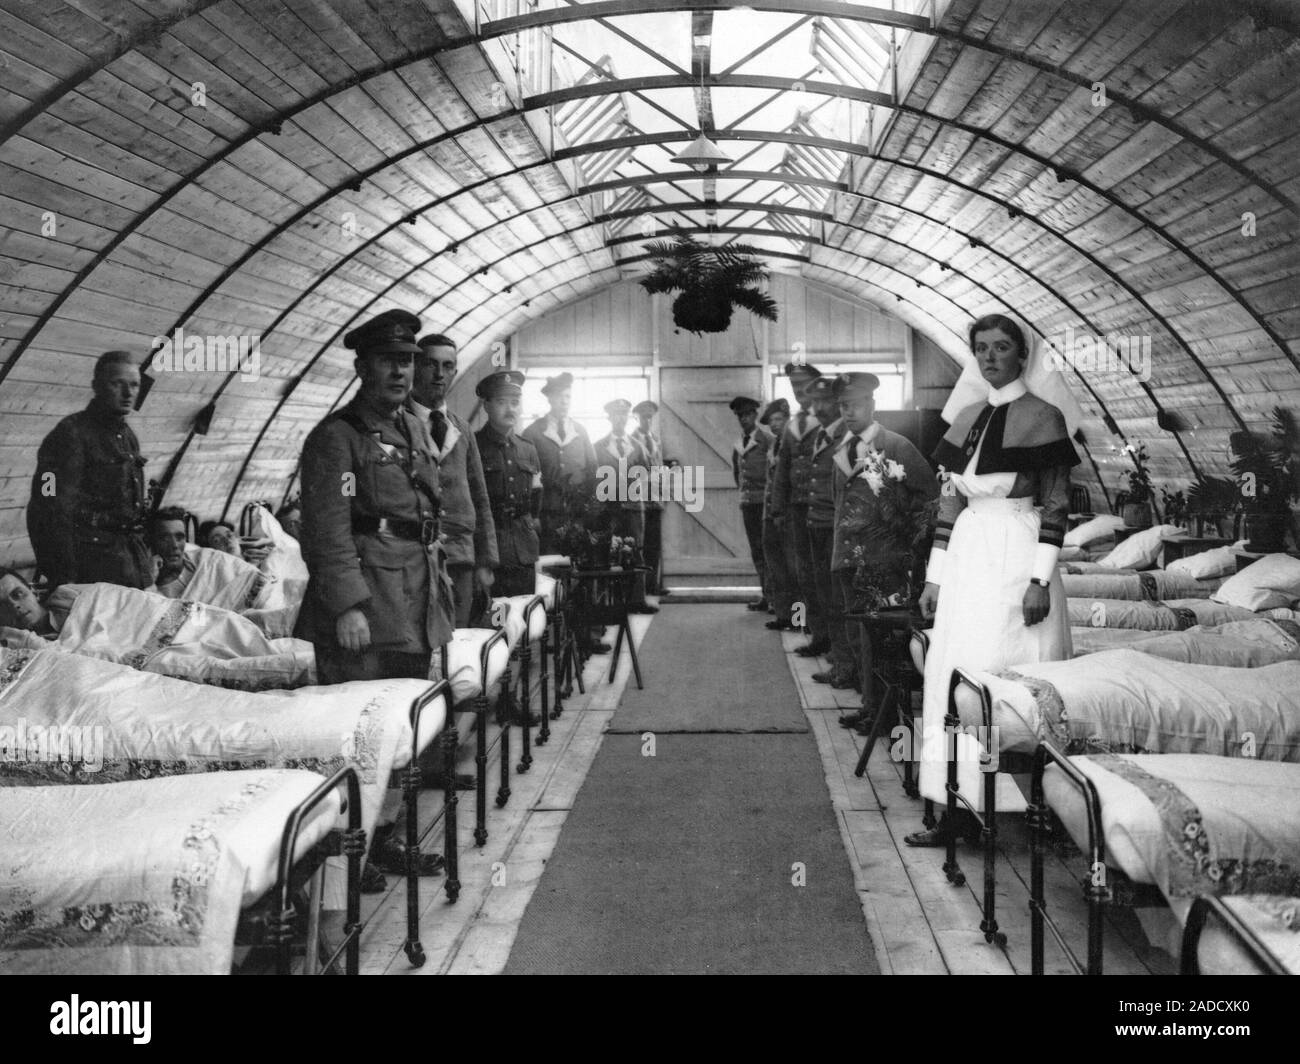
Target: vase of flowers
(890,533)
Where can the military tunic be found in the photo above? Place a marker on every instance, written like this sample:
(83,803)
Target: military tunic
(350,480)
(88,503)
(615,462)
(652,545)
(788,504)
(568,467)
(821,536)
(512,473)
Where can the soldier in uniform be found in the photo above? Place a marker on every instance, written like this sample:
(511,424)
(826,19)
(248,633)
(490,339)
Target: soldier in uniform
(568,461)
(617,458)
(867,452)
(652,551)
(790,506)
(821,529)
(780,581)
(469,540)
(749,469)
(88,503)
(513,474)
(376,604)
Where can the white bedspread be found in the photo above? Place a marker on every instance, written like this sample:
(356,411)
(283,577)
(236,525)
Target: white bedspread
(131,725)
(1155,585)
(142,877)
(1235,644)
(1191,824)
(1126,701)
(1173,615)
(1275,920)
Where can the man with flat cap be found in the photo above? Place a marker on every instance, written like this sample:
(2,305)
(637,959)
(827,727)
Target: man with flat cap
(568,461)
(780,581)
(749,470)
(821,529)
(469,540)
(513,474)
(872,466)
(377,603)
(790,507)
(623,465)
(645,435)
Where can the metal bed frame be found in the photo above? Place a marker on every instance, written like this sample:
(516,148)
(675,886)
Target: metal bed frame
(1207,905)
(271,921)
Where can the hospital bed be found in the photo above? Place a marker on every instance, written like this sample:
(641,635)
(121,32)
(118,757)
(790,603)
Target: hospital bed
(1237,644)
(204,855)
(1169,827)
(1174,615)
(1113,702)
(1149,586)
(1246,935)
(68,719)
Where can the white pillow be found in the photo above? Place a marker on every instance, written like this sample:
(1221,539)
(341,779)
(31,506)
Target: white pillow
(1221,561)
(1091,531)
(1141,549)
(1267,584)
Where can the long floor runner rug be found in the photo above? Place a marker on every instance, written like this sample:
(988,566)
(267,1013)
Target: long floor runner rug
(697,852)
(711,668)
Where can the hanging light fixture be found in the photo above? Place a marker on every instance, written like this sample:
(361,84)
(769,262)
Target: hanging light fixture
(701,153)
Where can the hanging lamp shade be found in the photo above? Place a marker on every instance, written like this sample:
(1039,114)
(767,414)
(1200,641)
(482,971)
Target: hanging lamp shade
(700,154)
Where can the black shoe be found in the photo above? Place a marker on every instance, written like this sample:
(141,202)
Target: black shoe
(842,681)
(644,607)
(863,726)
(850,720)
(758,607)
(390,857)
(934,838)
(372,880)
(813,649)
(517,719)
(596,648)
(438,782)
(779,626)
(824,677)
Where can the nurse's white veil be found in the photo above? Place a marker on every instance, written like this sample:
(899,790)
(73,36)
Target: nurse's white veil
(1043,376)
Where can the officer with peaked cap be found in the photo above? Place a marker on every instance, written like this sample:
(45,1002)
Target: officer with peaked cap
(749,469)
(622,473)
(780,580)
(868,563)
(568,461)
(513,473)
(789,508)
(652,550)
(821,525)
(377,603)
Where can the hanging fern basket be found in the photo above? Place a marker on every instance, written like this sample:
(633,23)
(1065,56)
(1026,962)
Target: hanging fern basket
(711,282)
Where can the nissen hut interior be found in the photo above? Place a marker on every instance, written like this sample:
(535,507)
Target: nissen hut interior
(649,487)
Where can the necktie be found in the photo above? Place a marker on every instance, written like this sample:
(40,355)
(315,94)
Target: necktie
(559,428)
(822,439)
(853,451)
(620,445)
(745,442)
(977,430)
(803,422)
(438,425)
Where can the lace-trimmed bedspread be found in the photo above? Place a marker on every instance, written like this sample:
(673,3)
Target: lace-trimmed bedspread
(1152,586)
(1191,824)
(1123,701)
(1172,615)
(143,877)
(65,718)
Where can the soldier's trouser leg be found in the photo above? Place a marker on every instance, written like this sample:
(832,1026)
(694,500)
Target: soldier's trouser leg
(336,665)
(111,558)
(462,591)
(828,607)
(796,524)
(852,654)
(551,521)
(633,523)
(654,548)
(781,589)
(752,514)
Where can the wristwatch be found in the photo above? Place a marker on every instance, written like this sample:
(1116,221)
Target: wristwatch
(1036,580)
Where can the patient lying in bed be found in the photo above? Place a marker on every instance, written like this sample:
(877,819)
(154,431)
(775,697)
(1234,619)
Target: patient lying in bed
(189,640)
(1235,644)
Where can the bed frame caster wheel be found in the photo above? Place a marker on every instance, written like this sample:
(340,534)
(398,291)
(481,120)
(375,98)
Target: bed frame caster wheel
(928,821)
(480,836)
(453,892)
(998,939)
(955,875)
(415,954)
(502,799)
(523,767)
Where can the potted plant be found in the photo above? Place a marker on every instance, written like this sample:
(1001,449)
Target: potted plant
(1174,504)
(1267,472)
(1212,505)
(1139,493)
(711,282)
